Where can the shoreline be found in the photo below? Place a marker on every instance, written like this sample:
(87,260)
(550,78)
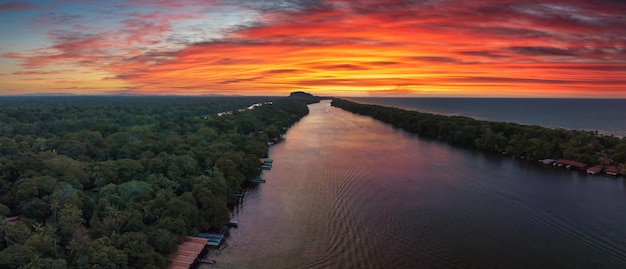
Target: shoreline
(522,141)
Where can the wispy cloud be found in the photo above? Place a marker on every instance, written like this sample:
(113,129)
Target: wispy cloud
(16,5)
(374,46)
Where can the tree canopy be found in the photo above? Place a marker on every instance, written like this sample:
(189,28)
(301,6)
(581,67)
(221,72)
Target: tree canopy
(532,142)
(117,182)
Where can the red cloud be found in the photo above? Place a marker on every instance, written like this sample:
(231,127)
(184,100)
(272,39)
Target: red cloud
(477,47)
(28,73)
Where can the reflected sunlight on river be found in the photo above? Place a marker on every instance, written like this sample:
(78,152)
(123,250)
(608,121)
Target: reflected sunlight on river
(346,191)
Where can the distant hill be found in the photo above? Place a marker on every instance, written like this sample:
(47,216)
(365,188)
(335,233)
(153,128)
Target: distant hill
(300,94)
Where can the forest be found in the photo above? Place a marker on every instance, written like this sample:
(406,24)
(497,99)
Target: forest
(118,181)
(524,141)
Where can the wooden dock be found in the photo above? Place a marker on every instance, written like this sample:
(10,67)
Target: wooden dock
(594,170)
(570,163)
(187,252)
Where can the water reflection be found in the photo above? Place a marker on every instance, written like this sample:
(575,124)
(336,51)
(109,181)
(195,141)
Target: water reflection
(346,191)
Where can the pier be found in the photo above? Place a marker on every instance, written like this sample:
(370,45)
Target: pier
(570,163)
(187,252)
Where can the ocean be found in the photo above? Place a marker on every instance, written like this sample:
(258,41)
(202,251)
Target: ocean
(607,116)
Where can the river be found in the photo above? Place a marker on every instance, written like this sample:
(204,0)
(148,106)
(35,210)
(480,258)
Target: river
(346,191)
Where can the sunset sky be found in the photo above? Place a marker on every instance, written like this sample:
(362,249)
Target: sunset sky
(501,48)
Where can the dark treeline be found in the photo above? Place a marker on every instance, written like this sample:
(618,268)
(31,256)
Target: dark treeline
(42,116)
(117,182)
(532,142)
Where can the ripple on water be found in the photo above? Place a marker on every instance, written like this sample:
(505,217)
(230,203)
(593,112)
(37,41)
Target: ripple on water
(349,192)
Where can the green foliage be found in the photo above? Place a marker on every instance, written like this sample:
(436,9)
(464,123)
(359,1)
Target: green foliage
(117,182)
(14,256)
(98,253)
(16,234)
(4,210)
(43,242)
(533,142)
(70,222)
(46,263)
(35,208)
(138,250)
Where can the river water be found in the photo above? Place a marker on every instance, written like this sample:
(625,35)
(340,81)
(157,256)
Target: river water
(346,191)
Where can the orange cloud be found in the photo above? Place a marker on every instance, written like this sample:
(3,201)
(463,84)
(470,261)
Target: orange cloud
(480,48)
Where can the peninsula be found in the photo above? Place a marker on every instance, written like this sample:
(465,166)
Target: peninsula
(585,149)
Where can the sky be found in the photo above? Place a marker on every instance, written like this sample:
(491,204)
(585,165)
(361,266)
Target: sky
(491,48)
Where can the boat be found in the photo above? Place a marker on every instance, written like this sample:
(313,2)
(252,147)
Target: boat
(256,180)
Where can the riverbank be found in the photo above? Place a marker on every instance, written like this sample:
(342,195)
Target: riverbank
(342,185)
(522,141)
(126,177)
(602,115)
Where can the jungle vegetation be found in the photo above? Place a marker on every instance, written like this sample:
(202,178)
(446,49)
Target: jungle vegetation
(525,141)
(117,182)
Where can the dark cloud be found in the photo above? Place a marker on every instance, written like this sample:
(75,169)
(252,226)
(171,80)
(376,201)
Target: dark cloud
(63,37)
(383,63)
(283,71)
(508,32)
(13,6)
(239,80)
(482,53)
(155,55)
(277,5)
(340,67)
(509,80)
(616,67)
(541,51)
(68,46)
(36,72)
(434,59)
(58,18)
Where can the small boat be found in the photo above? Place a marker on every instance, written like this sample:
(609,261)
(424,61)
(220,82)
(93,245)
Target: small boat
(256,180)
(233,223)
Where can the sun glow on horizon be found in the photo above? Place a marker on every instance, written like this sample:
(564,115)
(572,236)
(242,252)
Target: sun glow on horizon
(373,48)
